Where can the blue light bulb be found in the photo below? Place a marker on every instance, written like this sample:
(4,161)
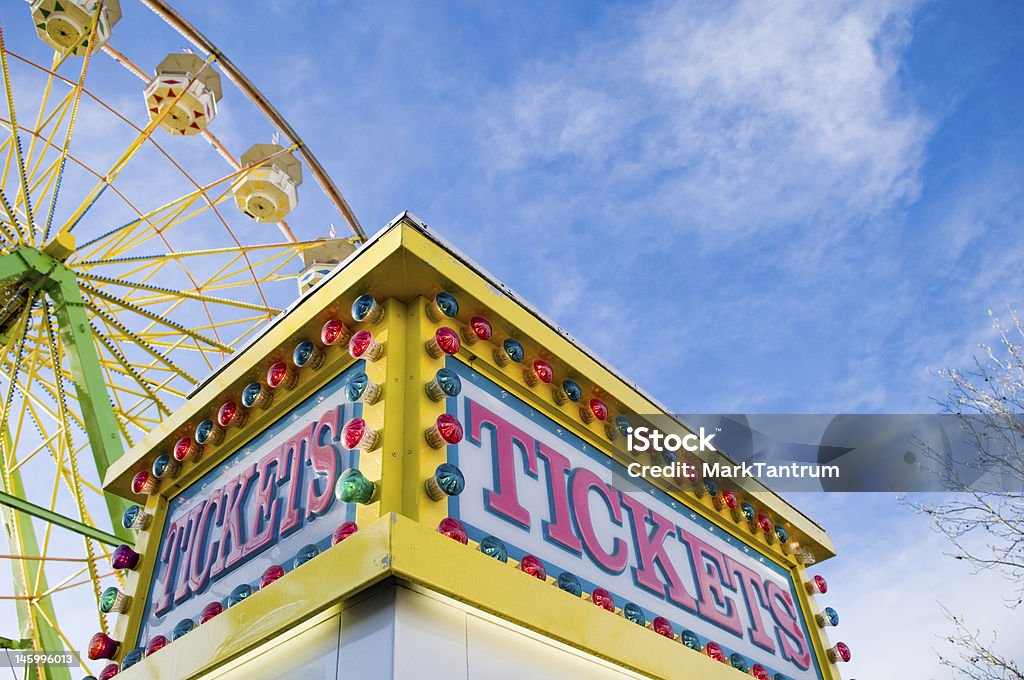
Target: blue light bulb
(183,627)
(250,394)
(447,303)
(449,382)
(306,553)
(634,613)
(494,547)
(450,479)
(239,593)
(569,583)
(513,349)
(303,351)
(572,390)
(356,386)
(362,307)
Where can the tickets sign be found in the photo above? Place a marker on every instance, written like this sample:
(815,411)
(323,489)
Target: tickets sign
(544,491)
(257,508)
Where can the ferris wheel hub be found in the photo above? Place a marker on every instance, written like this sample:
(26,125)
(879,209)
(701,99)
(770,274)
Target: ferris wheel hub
(61,247)
(24,272)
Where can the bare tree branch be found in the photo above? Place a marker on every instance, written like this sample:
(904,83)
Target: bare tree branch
(988,400)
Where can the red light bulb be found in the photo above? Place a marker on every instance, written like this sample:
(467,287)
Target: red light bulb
(156,644)
(714,650)
(603,599)
(479,328)
(186,449)
(840,652)
(765,522)
(230,414)
(344,530)
(453,528)
(109,671)
(271,574)
(102,646)
(445,430)
(534,567)
(445,341)
(144,483)
(817,585)
(595,409)
(760,672)
(358,435)
(539,372)
(334,331)
(661,626)
(730,500)
(209,611)
(280,374)
(364,346)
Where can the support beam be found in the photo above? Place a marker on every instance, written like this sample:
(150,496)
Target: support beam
(58,519)
(12,267)
(90,386)
(21,538)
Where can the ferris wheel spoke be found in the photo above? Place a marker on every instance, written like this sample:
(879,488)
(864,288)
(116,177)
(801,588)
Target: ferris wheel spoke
(77,93)
(42,122)
(125,157)
(126,366)
(77,161)
(43,446)
(141,343)
(52,623)
(133,238)
(17,138)
(18,338)
(14,236)
(292,248)
(164,294)
(32,401)
(125,415)
(121,302)
(33,160)
(125,231)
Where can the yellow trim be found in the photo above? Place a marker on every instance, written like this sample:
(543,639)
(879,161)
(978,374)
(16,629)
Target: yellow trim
(393,381)
(395,546)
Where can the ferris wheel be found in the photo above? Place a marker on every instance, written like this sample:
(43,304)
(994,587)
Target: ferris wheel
(150,222)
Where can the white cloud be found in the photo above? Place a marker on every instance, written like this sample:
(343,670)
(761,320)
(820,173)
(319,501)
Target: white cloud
(737,118)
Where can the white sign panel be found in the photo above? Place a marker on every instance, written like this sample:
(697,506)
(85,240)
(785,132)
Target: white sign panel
(545,492)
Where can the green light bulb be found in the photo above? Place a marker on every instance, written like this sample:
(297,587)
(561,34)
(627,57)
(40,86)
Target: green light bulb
(353,487)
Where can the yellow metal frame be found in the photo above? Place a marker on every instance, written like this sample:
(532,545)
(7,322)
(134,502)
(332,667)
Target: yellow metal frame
(405,266)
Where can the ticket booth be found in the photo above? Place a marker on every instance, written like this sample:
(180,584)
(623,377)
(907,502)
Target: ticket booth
(413,474)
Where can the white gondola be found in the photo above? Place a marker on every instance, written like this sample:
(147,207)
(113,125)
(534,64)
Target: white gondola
(65,25)
(269,192)
(189,112)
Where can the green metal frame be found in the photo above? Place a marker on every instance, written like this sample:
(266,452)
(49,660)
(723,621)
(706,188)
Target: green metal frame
(21,505)
(43,272)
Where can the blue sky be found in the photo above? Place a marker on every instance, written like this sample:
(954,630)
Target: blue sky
(743,206)
(812,206)
(794,207)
